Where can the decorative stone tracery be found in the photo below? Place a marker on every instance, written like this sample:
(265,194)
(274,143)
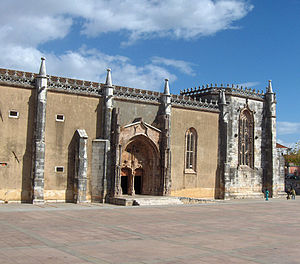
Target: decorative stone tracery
(246,131)
(140,159)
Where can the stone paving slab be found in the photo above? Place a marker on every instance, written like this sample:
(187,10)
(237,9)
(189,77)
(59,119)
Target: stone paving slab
(238,231)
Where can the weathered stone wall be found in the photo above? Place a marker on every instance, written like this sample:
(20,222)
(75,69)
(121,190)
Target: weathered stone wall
(202,183)
(244,181)
(80,112)
(16,143)
(241,181)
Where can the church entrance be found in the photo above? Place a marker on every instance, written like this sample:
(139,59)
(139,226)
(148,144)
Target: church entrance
(125,175)
(138,181)
(140,173)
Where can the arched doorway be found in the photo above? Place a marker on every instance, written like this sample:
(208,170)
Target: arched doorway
(141,158)
(125,180)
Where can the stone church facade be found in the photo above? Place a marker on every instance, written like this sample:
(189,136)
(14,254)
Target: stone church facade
(78,141)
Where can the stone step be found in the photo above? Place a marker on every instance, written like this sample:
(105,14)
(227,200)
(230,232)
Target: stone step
(157,201)
(127,200)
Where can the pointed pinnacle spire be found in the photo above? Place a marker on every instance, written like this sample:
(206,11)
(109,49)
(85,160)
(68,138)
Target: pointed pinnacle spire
(108,81)
(269,88)
(222,97)
(43,68)
(167,89)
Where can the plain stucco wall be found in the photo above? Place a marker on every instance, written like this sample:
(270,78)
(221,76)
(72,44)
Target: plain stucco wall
(202,183)
(80,112)
(16,143)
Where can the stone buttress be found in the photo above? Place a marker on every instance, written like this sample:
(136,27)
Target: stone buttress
(273,180)
(166,140)
(39,135)
(81,167)
(223,173)
(108,91)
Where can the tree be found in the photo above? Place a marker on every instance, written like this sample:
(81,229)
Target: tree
(294,155)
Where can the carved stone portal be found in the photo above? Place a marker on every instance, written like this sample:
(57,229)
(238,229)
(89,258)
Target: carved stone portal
(140,160)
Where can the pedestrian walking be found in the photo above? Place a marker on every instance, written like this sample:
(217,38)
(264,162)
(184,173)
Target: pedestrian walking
(288,195)
(267,195)
(293,192)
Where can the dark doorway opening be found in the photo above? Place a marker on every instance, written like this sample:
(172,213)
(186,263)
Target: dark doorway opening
(138,184)
(138,181)
(124,184)
(125,177)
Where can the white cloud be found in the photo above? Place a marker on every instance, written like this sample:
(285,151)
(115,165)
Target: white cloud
(249,84)
(285,128)
(25,25)
(183,66)
(176,18)
(88,65)
(34,22)
(91,65)
(20,58)
(31,29)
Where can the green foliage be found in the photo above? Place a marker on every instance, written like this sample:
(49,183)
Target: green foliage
(294,154)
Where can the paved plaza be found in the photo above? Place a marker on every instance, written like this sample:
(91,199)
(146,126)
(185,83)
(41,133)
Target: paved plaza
(239,231)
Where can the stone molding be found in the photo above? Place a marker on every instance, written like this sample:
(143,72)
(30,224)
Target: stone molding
(140,128)
(142,123)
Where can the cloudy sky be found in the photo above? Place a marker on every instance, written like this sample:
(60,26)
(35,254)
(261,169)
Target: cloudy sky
(191,42)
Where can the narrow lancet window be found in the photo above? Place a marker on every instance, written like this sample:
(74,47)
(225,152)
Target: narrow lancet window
(246,131)
(190,149)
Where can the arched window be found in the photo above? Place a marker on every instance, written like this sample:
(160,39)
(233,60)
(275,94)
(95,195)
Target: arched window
(246,131)
(190,149)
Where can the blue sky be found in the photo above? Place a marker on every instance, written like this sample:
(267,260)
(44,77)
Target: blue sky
(205,41)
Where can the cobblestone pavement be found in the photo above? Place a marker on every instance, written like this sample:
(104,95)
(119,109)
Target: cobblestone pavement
(245,231)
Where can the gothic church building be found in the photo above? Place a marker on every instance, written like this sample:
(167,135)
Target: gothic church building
(78,141)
